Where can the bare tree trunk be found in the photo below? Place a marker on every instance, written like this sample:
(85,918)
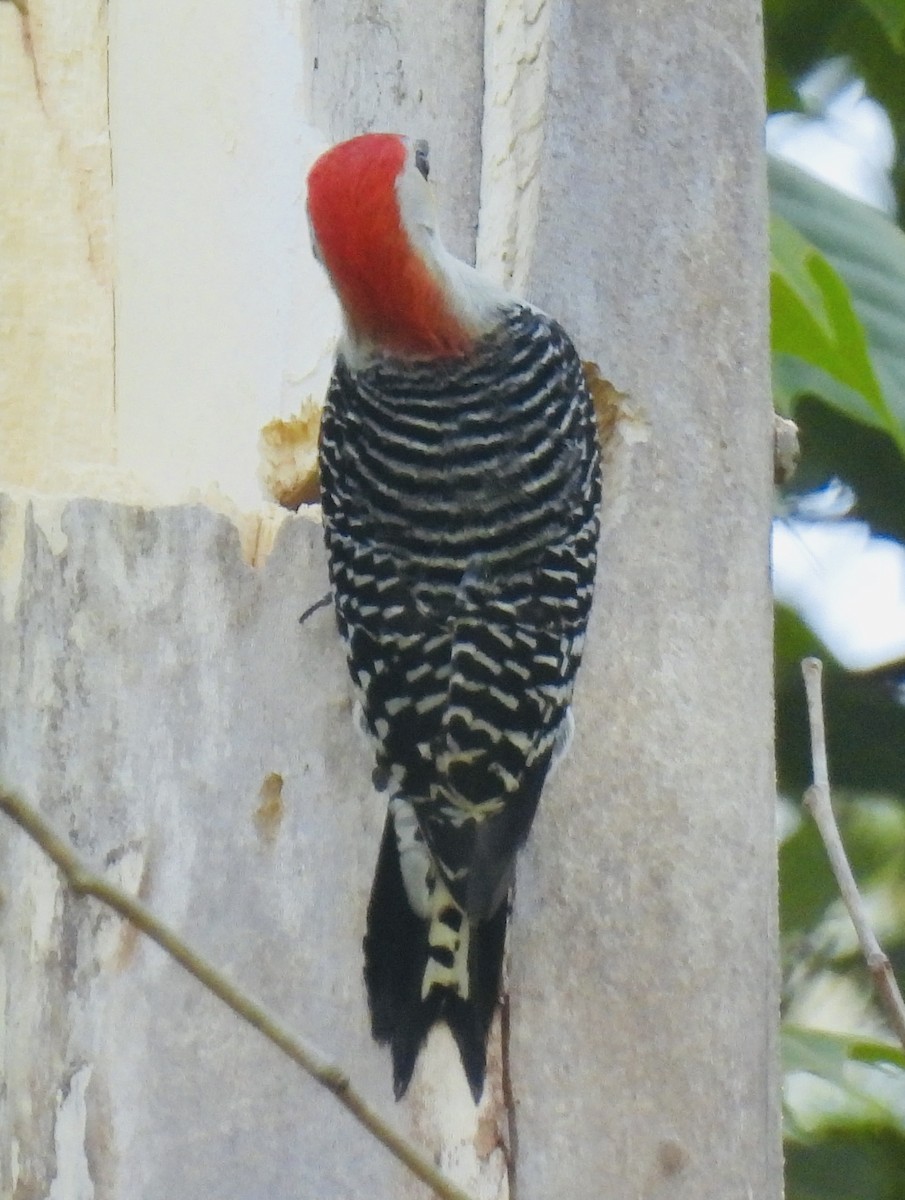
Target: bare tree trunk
(160,701)
(644,984)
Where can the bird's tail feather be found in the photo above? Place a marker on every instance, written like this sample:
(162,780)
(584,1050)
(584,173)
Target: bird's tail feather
(424,963)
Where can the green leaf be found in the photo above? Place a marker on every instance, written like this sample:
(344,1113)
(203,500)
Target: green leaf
(863,1160)
(810,1050)
(874,836)
(873,833)
(794,379)
(813,320)
(792,261)
(781,94)
(865,1073)
(867,251)
(825,1054)
(891,16)
(877,1052)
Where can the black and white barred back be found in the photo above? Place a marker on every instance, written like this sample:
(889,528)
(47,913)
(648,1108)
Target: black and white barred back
(460,503)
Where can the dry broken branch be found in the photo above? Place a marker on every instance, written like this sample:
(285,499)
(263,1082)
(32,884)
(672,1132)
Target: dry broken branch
(85,882)
(817,798)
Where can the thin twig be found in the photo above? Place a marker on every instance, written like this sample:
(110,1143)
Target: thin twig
(85,882)
(817,798)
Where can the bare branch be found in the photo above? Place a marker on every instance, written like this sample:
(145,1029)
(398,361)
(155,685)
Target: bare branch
(85,882)
(817,798)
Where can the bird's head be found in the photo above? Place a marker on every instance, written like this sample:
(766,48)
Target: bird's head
(373,227)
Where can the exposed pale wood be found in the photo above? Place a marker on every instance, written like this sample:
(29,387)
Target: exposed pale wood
(56,269)
(223,320)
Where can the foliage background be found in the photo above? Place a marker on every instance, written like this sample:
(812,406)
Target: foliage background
(838,309)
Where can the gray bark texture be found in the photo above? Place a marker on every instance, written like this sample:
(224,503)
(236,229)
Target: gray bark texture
(152,683)
(644,958)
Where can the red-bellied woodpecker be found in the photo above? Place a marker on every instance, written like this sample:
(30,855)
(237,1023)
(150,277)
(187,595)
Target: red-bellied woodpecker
(460,482)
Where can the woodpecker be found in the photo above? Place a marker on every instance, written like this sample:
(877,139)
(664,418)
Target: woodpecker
(460,484)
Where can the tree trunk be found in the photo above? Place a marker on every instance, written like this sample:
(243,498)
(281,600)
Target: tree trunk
(162,704)
(644,978)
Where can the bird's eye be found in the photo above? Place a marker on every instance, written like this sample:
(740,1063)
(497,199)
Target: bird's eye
(421,157)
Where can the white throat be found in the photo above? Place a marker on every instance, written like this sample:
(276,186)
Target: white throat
(475,300)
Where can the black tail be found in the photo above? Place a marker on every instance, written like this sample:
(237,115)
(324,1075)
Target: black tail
(397,953)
